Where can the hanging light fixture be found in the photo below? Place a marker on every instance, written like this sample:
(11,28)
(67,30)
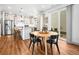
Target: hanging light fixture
(21,12)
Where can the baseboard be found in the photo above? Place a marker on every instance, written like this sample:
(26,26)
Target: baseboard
(73,43)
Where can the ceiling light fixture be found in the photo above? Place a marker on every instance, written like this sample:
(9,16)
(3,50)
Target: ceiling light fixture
(21,9)
(9,7)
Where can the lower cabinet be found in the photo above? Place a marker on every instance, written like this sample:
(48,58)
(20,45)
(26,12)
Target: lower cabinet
(25,33)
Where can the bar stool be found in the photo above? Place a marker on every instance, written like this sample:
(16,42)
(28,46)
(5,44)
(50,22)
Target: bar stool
(17,34)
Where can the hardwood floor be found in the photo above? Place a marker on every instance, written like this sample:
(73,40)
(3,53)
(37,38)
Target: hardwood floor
(11,46)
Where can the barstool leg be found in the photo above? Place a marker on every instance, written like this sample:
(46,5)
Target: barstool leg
(30,43)
(33,48)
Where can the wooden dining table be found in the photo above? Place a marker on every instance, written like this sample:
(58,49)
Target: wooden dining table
(44,35)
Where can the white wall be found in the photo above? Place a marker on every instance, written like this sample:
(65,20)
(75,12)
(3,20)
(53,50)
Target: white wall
(69,23)
(75,24)
(0,29)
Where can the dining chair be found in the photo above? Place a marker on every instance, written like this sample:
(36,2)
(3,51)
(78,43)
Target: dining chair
(51,29)
(55,30)
(53,39)
(34,39)
(35,29)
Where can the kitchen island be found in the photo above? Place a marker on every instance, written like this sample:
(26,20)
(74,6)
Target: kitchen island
(24,31)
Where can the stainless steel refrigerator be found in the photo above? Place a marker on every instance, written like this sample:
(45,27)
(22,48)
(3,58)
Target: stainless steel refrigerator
(9,25)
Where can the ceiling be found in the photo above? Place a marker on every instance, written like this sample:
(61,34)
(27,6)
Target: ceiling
(26,9)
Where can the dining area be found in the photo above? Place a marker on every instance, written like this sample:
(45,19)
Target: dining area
(34,32)
(44,38)
(36,38)
(38,30)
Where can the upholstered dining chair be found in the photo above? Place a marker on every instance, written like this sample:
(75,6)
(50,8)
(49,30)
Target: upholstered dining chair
(53,39)
(34,39)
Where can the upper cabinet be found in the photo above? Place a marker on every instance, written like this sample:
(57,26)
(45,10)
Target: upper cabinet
(45,22)
(9,17)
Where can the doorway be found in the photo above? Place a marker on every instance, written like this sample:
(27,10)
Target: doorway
(63,25)
(54,22)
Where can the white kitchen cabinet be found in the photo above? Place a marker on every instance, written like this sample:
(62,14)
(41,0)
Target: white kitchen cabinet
(25,33)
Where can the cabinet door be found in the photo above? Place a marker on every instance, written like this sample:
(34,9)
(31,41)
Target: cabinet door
(27,32)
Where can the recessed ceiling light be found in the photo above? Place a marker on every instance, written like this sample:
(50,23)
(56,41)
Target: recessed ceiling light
(21,9)
(9,7)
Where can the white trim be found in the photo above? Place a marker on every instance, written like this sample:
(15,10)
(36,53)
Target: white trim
(59,23)
(3,18)
(73,43)
(41,22)
(49,21)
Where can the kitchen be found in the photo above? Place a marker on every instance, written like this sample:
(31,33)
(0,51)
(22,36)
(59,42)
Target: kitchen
(18,21)
(24,22)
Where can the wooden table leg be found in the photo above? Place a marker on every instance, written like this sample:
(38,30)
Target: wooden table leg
(45,45)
